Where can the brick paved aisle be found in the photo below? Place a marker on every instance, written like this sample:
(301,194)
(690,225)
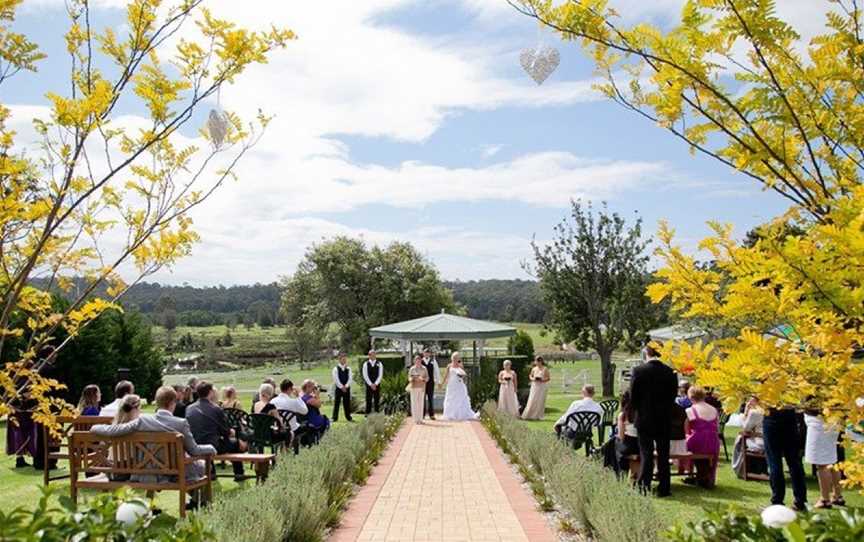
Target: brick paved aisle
(443,481)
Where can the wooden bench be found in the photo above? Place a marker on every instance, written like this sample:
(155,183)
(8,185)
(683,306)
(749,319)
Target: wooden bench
(57,442)
(635,462)
(159,456)
(261,463)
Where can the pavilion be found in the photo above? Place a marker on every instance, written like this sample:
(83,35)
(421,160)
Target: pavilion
(442,327)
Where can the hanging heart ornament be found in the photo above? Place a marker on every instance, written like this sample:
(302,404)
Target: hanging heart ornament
(539,62)
(217,126)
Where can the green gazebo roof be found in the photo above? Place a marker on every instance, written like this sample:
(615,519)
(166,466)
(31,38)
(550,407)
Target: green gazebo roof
(442,327)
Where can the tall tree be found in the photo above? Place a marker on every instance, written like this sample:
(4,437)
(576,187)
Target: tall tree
(593,276)
(737,83)
(100,191)
(359,287)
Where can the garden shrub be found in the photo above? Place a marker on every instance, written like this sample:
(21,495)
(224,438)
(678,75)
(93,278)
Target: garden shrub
(304,494)
(607,508)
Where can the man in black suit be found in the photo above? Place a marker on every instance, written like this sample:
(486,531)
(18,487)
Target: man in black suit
(653,389)
(210,426)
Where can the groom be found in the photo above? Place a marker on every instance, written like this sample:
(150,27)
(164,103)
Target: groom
(431,366)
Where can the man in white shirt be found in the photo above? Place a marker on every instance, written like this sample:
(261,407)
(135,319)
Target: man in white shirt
(586,404)
(288,400)
(121,390)
(342,384)
(373,372)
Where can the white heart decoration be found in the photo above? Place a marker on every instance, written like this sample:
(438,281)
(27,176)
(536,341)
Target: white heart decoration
(539,62)
(217,125)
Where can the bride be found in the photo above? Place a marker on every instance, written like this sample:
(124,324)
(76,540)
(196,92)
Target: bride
(457,405)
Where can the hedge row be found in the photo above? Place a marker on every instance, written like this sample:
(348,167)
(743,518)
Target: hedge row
(607,509)
(304,494)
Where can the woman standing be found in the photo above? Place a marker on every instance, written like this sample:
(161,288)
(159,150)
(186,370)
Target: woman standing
(417,377)
(702,437)
(507,386)
(457,403)
(535,409)
(821,452)
(89,403)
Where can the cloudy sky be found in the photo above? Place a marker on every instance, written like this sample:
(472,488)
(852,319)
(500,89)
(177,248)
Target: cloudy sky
(412,120)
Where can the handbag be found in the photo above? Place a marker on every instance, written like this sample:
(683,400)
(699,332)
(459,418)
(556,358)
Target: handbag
(408,387)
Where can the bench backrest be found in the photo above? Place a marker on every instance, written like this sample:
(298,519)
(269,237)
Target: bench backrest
(65,426)
(141,453)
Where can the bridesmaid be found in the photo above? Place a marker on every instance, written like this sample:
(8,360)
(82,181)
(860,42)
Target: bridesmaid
(535,409)
(507,401)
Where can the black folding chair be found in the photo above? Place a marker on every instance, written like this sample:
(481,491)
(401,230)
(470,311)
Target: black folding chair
(610,408)
(579,430)
(238,420)
(722,420)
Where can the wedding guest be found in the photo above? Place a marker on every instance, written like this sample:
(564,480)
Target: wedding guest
(90,398)
(182,393)
(749,439)
(210,426)
(433,376)
(192,386)
(821,452)
(653,388)
(22,434)
(782,438)
(263,404)
(678,435)
(312,397)
(267,380)
(288,400)
(417,377)
(121,390)
(507,386)
(535,408)
(627,435)
(229,398)
(683,399)
(585,404)
(712,399)
(342,377)
(373,372)
(702,437)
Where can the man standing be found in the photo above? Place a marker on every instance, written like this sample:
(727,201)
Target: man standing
(783,441)
(586,404)
(342,384)
(431,366)
(372,375)
(210,426)
(653,389)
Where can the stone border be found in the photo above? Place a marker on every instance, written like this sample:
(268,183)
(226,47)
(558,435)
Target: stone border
(352,521)
(523,503)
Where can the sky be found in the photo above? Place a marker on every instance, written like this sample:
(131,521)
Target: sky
(412,120)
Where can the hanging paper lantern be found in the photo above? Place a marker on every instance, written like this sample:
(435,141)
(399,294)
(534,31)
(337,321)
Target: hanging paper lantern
(217,126)
(539,62)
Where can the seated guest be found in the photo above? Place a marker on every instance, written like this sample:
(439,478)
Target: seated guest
(89,403)
(678,435)
(312,398)
(263,404)
(713,400)
(749,440)
(229,398)
(702,437)
(586,404)
(268,380)
(192,390)
(683,400)
(182,394)
(210,426)
(627,438)
(288,400)
(121,390)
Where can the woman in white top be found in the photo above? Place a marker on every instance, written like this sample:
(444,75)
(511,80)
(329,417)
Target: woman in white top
(507,386)
(750,438)
(820,451)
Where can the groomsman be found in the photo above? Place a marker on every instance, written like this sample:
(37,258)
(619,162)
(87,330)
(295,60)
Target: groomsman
(431,366)
(372,374)
(342,383)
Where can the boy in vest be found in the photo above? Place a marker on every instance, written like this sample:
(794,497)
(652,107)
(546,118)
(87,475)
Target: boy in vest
(372,374)
(342,384)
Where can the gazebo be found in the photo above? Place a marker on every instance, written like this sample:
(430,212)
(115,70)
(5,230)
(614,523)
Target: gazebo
(442,327)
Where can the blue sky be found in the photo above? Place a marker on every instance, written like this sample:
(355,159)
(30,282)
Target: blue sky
(412,120)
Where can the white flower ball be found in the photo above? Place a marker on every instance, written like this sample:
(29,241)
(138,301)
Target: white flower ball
(860,402)
(778,516)
(130,512)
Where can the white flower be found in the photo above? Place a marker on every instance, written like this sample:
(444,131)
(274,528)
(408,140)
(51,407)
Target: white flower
(778,516)
(860,402)
(129,512)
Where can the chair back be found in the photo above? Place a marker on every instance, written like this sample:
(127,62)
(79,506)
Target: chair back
(583,423)
(238,420)
(610,408)
(136,454)
(262,429)
(722,420)
(286,416)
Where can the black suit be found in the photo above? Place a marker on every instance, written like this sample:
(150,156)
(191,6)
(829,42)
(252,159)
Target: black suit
(210,426)
(653,389)
(429,398)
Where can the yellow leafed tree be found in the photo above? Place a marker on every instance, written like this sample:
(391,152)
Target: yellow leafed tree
(735,82)
(100,192)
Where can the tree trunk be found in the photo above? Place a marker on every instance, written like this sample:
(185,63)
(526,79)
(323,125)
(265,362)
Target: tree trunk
(607,373)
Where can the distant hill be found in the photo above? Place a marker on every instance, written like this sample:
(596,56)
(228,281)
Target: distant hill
(494,299)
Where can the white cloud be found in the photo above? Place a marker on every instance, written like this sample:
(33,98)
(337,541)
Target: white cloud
(490,150)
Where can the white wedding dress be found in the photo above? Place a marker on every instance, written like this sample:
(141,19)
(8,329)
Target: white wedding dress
(457,404)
